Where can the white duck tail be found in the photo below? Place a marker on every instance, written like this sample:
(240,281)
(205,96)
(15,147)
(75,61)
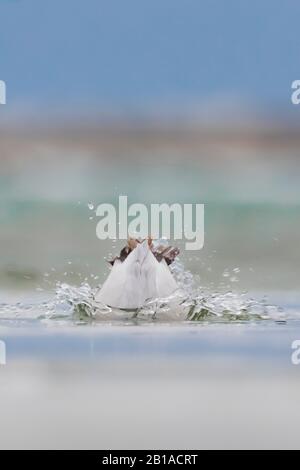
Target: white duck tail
(138,278)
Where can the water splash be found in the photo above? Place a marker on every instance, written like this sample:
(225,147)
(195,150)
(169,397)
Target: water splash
(190,302)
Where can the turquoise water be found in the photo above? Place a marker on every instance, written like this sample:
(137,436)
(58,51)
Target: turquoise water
(216,374)
(48,232)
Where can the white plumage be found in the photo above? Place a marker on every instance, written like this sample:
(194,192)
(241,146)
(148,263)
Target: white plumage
(138,278)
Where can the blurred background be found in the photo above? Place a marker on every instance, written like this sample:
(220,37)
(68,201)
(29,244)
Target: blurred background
(163,101)
(160,101)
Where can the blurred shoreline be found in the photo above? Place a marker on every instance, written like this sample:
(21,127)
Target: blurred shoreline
(18,140)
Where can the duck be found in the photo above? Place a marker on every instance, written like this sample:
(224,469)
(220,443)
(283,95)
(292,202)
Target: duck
(140,273)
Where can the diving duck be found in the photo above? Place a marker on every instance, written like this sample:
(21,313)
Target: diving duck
(141,272)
